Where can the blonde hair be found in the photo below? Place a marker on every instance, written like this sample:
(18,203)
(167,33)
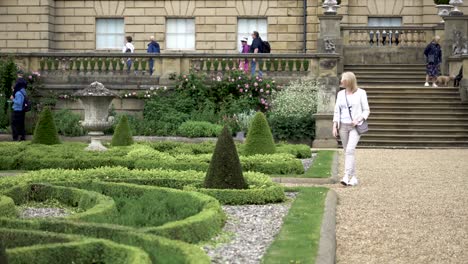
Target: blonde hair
(350,78)
(436,38)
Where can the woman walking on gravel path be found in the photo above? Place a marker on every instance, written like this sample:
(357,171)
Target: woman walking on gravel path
(351,109)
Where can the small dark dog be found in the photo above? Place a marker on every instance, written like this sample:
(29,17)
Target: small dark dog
(444,80)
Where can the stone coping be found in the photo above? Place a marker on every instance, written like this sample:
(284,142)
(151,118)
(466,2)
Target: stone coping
(327,244)
(172,55)
(388,28)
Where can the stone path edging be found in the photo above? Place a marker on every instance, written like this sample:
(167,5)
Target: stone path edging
(331,180)
(327,245)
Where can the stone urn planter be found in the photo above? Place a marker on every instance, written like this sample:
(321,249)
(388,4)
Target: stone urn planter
(443,10)
(331,7)
(455,11)
(96,100)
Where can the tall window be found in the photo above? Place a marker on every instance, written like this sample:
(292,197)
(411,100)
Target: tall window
(245,27)
(110,33)
(180,34)
(384,21)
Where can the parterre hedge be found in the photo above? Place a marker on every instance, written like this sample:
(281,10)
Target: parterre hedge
(261,188)
(26,246)
(92,203)
(73,156)
(7,207)
(160,249)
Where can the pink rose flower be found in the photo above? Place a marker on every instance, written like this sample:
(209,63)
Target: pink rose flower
(268,85)
(261,90)
(255,84)
(241,90)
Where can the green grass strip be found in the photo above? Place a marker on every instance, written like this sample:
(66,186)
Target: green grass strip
(299,237)
(322,166)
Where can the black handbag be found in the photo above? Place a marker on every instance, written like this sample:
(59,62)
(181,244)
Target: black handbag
(364,126)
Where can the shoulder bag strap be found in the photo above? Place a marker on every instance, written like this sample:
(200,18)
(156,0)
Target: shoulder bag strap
(347,105)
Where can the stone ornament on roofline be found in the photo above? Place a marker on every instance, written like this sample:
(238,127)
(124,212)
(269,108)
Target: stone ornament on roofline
(455,11)
(331,7)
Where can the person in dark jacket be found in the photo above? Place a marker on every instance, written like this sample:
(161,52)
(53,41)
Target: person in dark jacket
(153,47)
(17,115)
(433,54)
(256,47)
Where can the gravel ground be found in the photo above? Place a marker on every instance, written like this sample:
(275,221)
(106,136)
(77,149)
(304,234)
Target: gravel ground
(253,228)
(32,212)
(411,207)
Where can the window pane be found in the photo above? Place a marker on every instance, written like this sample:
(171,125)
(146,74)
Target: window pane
(245,27)
(180,33)
(109,33)
(384,21)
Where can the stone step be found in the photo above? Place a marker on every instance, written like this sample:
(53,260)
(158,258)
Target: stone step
(413,143)
(422,120)
(416,93)
(427,103)
(414,114)
(432,137)
(379,72)
(413,99)
(419,88)
(405,124)
(389,77)
(410,108)
(420,131)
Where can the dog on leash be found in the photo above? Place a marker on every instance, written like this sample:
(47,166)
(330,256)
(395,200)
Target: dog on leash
(444,80)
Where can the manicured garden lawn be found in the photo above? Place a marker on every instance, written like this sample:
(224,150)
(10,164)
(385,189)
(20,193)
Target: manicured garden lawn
(322,166)
(298,239)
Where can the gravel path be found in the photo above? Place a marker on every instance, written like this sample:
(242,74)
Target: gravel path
(253,228)
(33,212)
(411,207)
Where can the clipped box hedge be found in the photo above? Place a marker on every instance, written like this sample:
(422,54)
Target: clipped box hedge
(27,246)
(7,207)
(92,203)
(176,156)
(261,188)
(160,249)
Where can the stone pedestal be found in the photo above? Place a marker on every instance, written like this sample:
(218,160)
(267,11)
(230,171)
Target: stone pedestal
(323,132)
(329,40)
(328,84)
(464,82)
(456,39)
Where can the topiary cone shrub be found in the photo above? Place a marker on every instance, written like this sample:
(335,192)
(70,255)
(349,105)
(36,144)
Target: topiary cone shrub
(46,132)
(225,170)
(259,138)
(122,135)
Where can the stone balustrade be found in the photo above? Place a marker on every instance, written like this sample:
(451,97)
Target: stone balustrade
(165,65)
(387,36)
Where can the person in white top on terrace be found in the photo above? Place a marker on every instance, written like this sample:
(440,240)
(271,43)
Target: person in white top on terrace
(128,48)
(344,125)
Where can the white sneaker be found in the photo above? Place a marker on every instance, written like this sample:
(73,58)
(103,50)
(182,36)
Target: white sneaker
(345,180)
(353,181)
(426,84)
(434,85)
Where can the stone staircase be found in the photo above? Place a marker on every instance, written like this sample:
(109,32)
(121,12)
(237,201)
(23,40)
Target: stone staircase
(405,114)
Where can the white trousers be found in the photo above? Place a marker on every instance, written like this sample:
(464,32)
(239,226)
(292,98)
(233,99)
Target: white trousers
(349,138)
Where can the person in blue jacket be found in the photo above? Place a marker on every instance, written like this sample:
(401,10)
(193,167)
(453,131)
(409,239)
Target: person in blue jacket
(17,115)
(153,47)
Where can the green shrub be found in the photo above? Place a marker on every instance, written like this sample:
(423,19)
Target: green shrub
(259,139)
(68,123)
(299,151)
(160,249)
(122,135)
(293,108)
(199,129)
(26,246)
(92,204)
(7,207)
(441,2)
(225,170)
(45,132)
(158,177)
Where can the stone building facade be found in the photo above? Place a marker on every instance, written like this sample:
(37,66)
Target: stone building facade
(57,25)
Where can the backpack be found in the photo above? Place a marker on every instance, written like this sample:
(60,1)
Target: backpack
(266,47)
(26,103)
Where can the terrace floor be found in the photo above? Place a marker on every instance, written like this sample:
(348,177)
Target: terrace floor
(411,207)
